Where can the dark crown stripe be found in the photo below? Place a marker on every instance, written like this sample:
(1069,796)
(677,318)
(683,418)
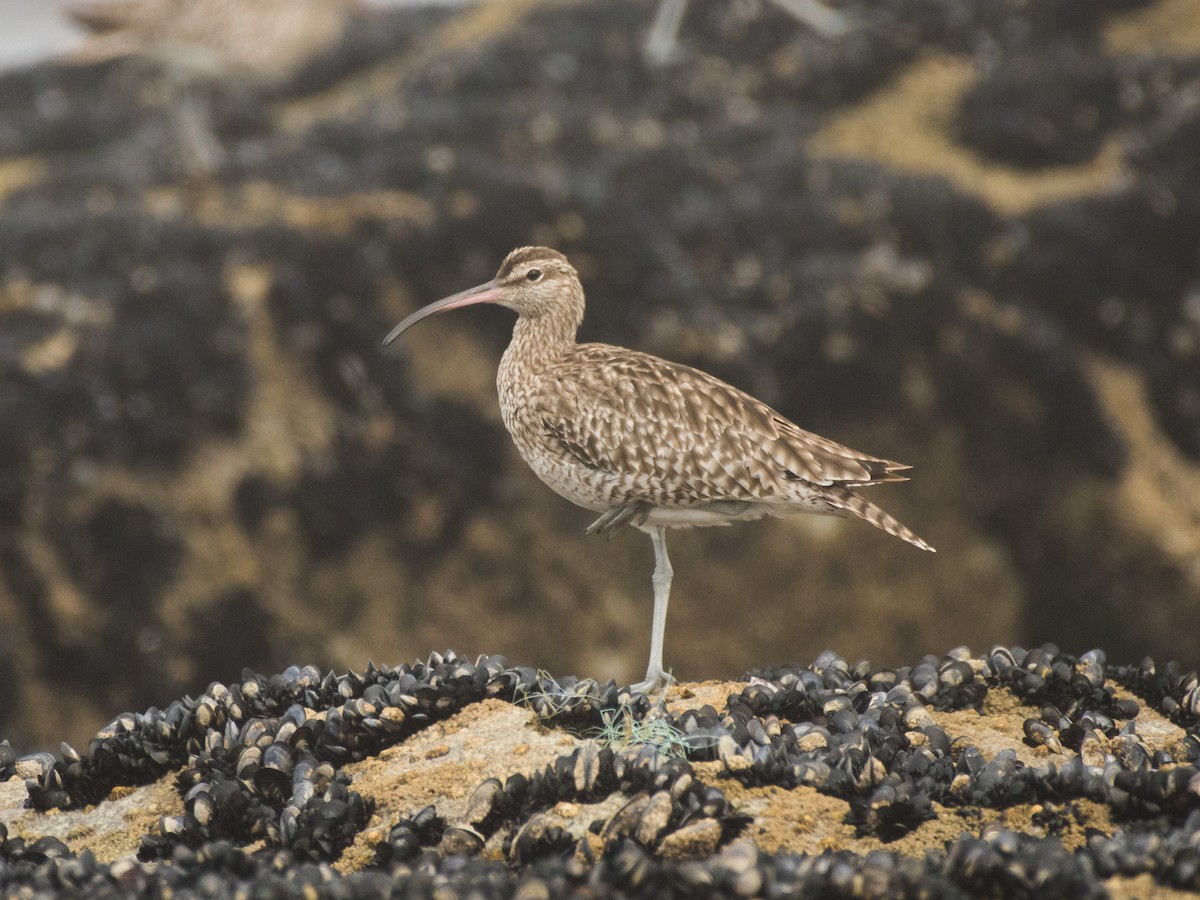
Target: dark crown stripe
(527,254)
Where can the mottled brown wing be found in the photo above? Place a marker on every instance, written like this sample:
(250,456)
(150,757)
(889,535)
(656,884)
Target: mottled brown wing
(670,434)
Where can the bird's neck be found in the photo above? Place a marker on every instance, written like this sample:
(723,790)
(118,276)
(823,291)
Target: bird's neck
(538,341)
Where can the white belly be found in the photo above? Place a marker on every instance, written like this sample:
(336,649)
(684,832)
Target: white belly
(726,512)
(705,516)
(601,492)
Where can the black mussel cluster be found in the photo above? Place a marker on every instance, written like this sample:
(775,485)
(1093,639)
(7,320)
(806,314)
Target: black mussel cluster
(668,803)
(260,758)
(8,761)
(268,806)
(870,739)
(1172,691)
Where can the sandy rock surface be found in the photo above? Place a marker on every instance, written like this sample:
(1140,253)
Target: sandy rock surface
(1022,771)
(962,236)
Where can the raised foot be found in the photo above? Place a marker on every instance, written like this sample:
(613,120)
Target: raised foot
(653,682)
(609,523)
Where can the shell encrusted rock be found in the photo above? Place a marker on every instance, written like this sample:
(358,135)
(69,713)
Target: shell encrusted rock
(852,761)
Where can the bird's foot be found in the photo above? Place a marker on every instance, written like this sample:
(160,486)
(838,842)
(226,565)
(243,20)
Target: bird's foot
(607,524)
(654,681)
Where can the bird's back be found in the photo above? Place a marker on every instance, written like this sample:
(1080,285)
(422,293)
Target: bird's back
(666,434)
(265,41)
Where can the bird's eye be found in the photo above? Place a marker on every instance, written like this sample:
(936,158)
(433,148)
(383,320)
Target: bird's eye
(534,274)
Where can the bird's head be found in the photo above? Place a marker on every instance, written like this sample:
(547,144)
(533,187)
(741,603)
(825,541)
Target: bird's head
(533,281)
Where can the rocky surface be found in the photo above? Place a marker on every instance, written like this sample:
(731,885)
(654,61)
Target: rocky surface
(1018,773)
(961,235)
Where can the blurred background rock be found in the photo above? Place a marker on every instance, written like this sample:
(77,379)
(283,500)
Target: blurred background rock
(964,235)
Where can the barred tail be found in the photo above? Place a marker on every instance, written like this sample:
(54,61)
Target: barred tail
(848,501)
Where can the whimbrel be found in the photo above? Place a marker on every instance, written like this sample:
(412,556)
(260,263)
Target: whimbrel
(264,42)
(647,442)
(260,44)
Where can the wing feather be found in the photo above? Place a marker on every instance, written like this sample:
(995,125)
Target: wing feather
(677,436)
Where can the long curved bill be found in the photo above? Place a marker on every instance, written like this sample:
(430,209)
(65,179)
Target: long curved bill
(488,292)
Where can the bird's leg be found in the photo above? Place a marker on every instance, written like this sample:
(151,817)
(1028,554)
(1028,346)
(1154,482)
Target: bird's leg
(662,42)
(192,116)
(817,16)
(655,676)
(611,521)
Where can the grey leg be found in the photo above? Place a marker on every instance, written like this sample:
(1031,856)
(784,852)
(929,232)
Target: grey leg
(817,16)
(199,149)
(661,43)
(655,677)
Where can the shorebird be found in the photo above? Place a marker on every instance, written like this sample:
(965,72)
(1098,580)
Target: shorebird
(651,443)
(259,44)
(264,42)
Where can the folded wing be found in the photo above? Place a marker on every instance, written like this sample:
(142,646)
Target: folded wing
(673,435)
